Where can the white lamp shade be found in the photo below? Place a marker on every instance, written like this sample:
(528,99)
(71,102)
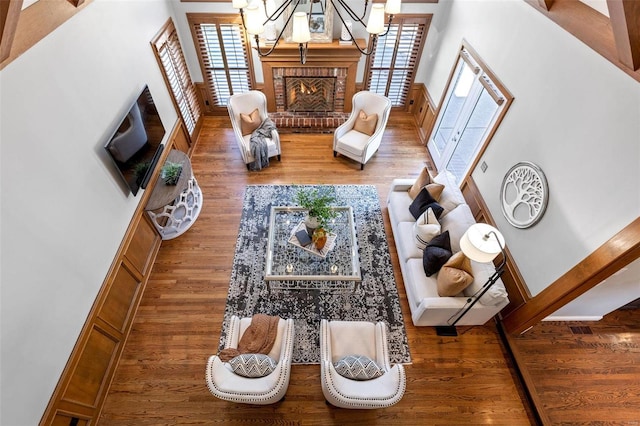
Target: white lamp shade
(253,21)
(393,7)
(239,4)
(375,24)
(480,243)
(300,32)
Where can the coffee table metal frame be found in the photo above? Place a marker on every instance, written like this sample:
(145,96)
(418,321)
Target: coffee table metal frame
(291,267)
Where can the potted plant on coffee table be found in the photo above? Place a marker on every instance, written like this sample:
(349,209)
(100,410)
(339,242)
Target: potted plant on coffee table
(318,203)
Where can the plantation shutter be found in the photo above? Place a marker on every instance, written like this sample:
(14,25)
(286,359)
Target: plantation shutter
(392,65)
(224,55)
(169,54)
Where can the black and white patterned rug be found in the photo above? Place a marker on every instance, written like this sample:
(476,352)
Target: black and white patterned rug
(376,298)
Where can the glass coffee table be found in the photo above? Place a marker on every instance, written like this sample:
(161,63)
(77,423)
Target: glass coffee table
(291,266)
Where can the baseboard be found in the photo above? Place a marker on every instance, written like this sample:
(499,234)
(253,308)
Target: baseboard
(573,318)
(526,382)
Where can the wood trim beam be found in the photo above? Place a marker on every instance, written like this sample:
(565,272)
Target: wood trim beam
(593,28)
(9,15)
(36,22)
(545,4)
(620,250)
(625,22)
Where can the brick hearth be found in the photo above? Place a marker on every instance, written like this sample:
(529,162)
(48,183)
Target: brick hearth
(308,122)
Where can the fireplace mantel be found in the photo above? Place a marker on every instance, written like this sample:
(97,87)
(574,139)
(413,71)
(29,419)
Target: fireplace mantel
(319,55)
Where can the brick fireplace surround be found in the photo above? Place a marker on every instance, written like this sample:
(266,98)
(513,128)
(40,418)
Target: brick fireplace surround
(323,60)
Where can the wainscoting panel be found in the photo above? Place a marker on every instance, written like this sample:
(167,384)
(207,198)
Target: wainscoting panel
(83,385)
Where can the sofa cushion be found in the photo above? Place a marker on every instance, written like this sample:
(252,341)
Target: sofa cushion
(455,275)
(253,365)
(423,201)
(425,228)
(436,254)
(457,222)
(399,202)
(405,242)
(249,122)
(358,367)
(423,179)
(365,123)
(421,285)
(451,194)
(496,295)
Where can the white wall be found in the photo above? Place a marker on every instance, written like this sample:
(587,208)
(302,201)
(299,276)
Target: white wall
(575,115)
(64,210)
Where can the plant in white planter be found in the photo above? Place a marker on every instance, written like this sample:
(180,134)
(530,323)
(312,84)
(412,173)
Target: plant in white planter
(318,205)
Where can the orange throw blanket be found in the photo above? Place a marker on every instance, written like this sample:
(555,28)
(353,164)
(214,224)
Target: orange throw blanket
(258,338)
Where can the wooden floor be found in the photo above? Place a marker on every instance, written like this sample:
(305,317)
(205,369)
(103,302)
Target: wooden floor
(584,372)
(468,379)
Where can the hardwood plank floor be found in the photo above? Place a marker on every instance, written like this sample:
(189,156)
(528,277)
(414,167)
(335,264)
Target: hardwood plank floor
(584,372)
(160,378)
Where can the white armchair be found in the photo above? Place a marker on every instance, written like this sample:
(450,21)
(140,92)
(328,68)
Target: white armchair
(227,385)
(246,103)
(357,145)
(342,338)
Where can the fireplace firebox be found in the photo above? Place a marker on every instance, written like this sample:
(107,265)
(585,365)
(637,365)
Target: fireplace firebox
(309,94)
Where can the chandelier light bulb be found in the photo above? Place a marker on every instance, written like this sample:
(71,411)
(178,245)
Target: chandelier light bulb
(392,7)
(253,22)
(375,24)
(300,33)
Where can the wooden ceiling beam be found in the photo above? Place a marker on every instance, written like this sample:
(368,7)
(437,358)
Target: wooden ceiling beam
(9,14)
(625,22)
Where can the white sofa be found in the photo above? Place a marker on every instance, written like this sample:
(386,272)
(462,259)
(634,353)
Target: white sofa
(427,307)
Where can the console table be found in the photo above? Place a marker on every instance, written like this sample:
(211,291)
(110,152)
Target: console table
(174,208)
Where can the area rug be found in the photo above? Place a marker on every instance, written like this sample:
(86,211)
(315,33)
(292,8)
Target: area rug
(376,298)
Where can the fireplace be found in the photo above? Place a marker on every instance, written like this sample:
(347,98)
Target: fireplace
(309,94)
(329,78)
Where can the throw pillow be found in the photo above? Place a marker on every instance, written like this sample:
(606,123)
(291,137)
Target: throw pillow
(436,253)
(425,228)
(366,123)
(435,189)
(253,365)
(424,178)
(358,367)
(455,275)
(249,122)
(423,201)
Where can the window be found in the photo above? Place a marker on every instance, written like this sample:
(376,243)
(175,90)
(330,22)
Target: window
(168,51)
(391,67)
(473,107)
(223,53)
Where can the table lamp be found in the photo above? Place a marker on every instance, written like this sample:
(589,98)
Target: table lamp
(482,243)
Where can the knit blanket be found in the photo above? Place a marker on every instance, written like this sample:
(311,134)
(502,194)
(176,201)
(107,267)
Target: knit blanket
(258,338)
(258,145)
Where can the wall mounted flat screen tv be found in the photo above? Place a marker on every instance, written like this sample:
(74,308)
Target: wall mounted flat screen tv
(135,146)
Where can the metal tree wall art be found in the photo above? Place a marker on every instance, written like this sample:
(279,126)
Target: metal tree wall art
(524,195)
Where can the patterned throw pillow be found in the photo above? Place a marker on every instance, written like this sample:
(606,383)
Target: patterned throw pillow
(358,367)
(253,365)
(426,228)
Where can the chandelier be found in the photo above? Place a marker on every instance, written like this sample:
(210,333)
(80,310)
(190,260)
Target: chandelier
(254,23)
